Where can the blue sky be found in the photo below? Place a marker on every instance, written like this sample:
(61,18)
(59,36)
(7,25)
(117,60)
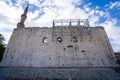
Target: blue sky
(104,13)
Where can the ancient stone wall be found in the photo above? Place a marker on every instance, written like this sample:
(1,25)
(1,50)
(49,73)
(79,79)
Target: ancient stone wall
(43,47)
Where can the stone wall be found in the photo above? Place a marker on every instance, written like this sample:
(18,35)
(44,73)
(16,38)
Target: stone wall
(38,47)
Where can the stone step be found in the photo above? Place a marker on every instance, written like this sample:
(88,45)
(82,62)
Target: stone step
(37,73)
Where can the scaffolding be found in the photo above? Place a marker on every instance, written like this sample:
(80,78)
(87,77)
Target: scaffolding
(81,24)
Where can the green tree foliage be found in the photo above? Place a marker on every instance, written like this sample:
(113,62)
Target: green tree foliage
(2,46)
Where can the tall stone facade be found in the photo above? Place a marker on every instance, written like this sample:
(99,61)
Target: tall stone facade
(57,53)
(36,47)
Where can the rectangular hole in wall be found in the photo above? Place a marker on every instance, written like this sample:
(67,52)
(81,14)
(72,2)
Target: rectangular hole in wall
(70,46)
(82,50)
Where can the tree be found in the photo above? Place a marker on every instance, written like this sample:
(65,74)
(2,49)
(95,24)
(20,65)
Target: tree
(2,46)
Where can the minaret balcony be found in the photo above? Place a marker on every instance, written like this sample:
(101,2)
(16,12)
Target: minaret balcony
(23,16)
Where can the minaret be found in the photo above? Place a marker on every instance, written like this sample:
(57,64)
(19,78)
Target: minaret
(23,18)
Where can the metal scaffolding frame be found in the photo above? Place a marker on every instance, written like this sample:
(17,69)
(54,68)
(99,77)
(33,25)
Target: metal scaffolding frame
(81,24)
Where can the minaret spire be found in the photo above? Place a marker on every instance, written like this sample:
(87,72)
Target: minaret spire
(23,18)
(26,9)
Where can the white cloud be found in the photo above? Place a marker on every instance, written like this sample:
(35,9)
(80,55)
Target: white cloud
(8,17)
(114,4)
(113,32)
(55,9)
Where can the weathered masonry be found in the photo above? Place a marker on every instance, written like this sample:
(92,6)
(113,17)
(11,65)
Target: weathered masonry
(60,46)
(70,50)
(67,51)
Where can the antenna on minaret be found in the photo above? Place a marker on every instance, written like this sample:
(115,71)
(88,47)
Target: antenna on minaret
(23,18)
